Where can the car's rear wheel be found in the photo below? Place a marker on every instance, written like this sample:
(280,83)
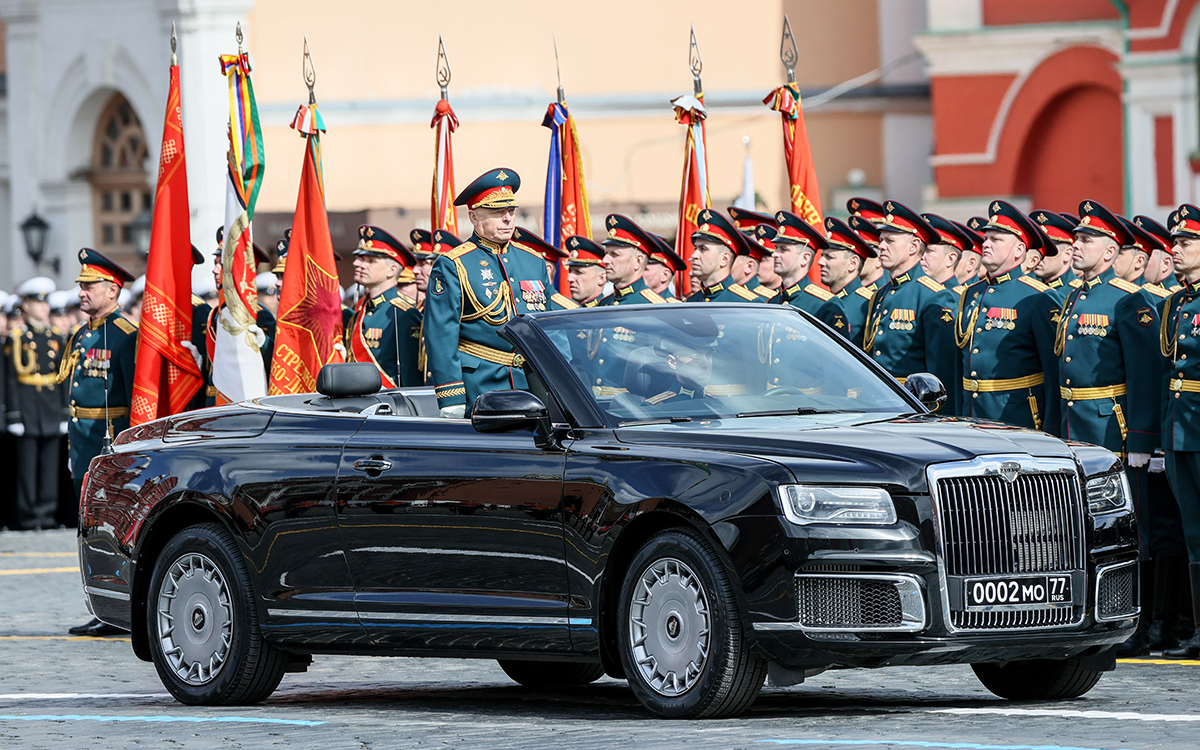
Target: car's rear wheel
(681,638)
(551,673)
(1038,679)
(202,625)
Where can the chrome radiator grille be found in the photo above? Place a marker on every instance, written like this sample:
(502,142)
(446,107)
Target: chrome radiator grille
(990,526)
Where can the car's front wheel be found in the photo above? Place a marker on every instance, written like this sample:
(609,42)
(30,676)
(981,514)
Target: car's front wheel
(682,639)
(202,625)
(1038,679)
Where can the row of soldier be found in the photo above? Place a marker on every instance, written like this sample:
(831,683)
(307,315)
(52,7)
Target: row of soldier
(992,308)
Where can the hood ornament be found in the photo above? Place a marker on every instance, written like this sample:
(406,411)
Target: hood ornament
(1009,471)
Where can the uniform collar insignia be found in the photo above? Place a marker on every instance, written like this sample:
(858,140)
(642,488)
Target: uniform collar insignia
(687,392)
(625,291)
(1001,278)
(900,279)
(793,289)
(1093,281)
(717,287)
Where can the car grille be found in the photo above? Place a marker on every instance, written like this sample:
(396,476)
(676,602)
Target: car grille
(990,526)
(844,602)
(1116,593)
(1045,617)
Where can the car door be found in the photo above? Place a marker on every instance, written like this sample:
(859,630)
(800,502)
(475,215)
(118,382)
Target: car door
(454,537)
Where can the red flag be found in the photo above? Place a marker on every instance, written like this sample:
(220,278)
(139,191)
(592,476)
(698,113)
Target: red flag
(309,327)
(694,196)
(802,174)
(442,212)
(566,209)
(166,376)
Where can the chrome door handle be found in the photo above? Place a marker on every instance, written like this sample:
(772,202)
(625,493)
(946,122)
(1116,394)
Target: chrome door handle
(369,465)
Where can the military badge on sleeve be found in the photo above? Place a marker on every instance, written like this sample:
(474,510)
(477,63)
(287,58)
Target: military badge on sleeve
(437,285)
(1145,316)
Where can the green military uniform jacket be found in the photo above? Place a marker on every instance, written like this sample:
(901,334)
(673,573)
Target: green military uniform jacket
(910,328)
(846,312)
(803,295)
(1179,343)
(757,287)
(724,290)
(636,293)
(388,334)
(99,371)
(473,291)
(1005,328)
(1110,376)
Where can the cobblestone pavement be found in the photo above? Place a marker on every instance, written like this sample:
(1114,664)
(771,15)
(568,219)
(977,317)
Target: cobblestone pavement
(62,692)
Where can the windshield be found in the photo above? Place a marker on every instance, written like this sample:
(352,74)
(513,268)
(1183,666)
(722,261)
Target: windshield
(692,361)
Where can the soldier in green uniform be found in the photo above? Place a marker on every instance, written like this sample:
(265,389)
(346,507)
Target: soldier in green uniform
(585,270)
(796,242)
(841,264)
(627,250)
(36,404)
(967,270)
(553,257)
(1005,325)
(748,269)
(940,259)
(387,324)
(872,274)
(98,368)
(663,267)
(716,244)
(1159,277)
(910,321)
(475,289)
(1179,343)
(1055,269)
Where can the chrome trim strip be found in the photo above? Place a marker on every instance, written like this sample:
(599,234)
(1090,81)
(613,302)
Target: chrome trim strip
(327,614)
(107,593)
(984,466)
(432,617)
(912,605)
(1100,573)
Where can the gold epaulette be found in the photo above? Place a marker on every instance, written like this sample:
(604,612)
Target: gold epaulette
(651,296)
(125,324)
(402,302)
(659,398)
(1156,290)
(765,292)
(1125,286)
(1035,283)
(865,293)
(1174,288)
(929,283)
(459,251)
(198,300)
(742,292)
(959,289)
(822,294)
(1075,283)
(566,302)
(672,299)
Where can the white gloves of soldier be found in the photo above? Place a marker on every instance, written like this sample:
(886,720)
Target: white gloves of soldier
(193,351)
(1158,465)
(16,428)
(1138,460)
(62,428)
(338,347)
(458,411)
(260,338)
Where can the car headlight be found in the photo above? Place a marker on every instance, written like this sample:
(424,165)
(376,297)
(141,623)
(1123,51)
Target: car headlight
(1109,494)
(804,504)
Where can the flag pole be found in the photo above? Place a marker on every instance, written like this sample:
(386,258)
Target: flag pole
(788,53)
(695,62)
(443,69)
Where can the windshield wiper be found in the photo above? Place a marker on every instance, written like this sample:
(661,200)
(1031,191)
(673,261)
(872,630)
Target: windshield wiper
(797,410)
(664,420)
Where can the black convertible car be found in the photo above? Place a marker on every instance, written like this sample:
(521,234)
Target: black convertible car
(695,498)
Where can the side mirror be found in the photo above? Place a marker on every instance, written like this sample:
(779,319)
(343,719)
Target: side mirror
(508,411)
(927,389)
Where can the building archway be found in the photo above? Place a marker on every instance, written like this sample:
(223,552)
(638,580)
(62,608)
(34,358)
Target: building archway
(120,180)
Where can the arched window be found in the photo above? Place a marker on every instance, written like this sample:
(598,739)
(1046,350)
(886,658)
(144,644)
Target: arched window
(120,183)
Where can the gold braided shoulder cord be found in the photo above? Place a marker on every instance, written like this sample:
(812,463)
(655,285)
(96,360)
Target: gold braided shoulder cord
(497,313)
(1168,341)
(872,325)
(1064,318)
(24,366)
(963,338)
(66,365)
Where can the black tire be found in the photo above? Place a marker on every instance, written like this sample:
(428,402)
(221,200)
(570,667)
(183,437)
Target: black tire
(537,674)
(201,579)
(688,617)
(1038,679)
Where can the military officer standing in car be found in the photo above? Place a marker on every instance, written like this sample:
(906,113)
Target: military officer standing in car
(387,323)
(98,371)
(36,405)
(910,322)
(474,290)
(1005,325)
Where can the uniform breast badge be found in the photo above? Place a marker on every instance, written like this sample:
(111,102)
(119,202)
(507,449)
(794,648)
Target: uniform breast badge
(1093,324)
(534,294)
(1196,324)
(1002,318)
(902,320)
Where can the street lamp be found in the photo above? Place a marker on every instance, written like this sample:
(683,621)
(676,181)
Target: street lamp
(34,230)
(140,229)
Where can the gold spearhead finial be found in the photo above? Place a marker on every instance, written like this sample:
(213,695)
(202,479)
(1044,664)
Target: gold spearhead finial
(443,67)
(562,98)
(788,53)
(239,37)
(695,61)
(310,73)
(174,45)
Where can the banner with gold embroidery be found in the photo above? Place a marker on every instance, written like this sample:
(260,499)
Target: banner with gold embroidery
(442,211)
(166,375)
(802,173)
(694,197)
(566,210)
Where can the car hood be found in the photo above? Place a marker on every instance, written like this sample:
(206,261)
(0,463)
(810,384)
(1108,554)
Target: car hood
(853,447)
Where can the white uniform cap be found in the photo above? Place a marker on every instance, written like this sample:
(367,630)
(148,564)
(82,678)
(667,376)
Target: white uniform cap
(60,300)
(267,283)
(124,298)
(138,287)
(39,287)
(10,303)
(74,292)
(204,287)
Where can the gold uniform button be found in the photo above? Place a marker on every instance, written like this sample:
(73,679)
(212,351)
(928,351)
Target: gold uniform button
(973,373)
(600,362)
(974,395)
(599,381)
(1071,337)
(974,351)
(1068,359)
(1070,403)
(878,354)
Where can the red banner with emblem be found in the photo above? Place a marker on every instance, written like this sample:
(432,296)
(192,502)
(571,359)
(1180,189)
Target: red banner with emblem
(442,212)
(166,375)
(694,196)
(309,329)
(802,174)
(566,210)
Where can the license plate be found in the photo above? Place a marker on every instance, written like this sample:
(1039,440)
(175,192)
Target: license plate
(1000,592)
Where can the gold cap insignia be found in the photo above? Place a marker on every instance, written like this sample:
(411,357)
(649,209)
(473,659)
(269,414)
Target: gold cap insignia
(612,221)
(889,217)
(501,176)
(1041,218)
(996,207)
(1088,206)
(1086,221)
(612,232)
(890,209)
